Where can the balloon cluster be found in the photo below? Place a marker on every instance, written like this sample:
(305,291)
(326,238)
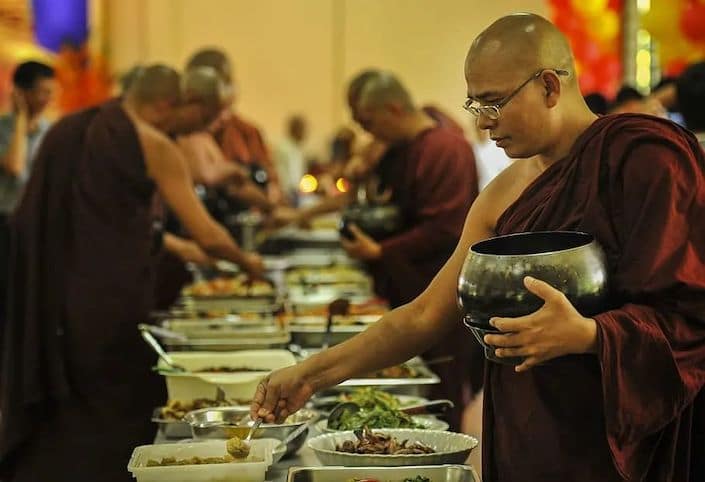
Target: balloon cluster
(679,28)
(593,28)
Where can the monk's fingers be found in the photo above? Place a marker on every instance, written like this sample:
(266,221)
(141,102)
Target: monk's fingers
(508,340)
(270,402)
(529,363)
(543,290)
(514,325)
(357,232)
(258,399)
(524,350)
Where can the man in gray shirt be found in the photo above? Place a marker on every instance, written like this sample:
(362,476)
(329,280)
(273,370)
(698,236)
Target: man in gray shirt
(21,132)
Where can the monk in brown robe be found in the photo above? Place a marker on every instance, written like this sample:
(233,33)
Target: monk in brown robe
(241,141)
(428,172)
(77,388)
(621,398)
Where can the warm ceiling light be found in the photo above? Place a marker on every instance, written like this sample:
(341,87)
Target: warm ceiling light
(308,184)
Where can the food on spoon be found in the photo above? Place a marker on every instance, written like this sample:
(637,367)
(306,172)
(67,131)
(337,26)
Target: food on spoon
(237,447)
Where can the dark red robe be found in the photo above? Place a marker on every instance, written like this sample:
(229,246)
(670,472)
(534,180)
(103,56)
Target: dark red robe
(635,411)
(77,387)
(434,181)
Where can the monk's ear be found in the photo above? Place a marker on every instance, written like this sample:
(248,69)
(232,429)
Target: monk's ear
(552,88)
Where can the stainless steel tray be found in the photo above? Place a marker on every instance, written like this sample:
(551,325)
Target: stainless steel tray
(312,336)
(208,329)
(439,473)
(175,429)
(427,378)
(229,305)
(228,344)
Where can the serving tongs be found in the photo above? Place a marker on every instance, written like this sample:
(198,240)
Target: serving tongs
(152,342)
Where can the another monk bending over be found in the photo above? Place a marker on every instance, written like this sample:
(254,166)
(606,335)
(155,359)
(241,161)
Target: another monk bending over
(621,397)
(77,386)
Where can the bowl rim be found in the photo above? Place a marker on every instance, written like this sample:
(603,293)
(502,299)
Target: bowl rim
(322,425)
(473,443)
(473,250)
(189,418)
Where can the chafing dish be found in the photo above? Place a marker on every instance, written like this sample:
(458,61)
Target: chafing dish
(171,428)
(308,336)
(444,473)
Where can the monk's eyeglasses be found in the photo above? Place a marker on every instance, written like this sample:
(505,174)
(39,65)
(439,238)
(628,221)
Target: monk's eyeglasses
(493,111)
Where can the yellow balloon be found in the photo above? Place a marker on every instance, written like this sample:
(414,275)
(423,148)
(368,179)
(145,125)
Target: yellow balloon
(662,19)
(590,8)
(605,27)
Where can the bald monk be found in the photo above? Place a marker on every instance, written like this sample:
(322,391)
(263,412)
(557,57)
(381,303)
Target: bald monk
(240,140)
(78,388)
(616,397)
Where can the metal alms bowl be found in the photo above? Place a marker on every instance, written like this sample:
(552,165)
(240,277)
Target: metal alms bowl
(491,282)
(228,422)
(378,221)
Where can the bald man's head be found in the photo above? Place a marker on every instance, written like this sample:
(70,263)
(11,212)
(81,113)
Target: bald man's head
(522,87)
(521,43)
(381,89)
(155,83)
(358,82)
(204,85)
(213,58)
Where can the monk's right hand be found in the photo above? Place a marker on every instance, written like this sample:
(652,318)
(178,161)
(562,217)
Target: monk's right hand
(279,395)
(254,265)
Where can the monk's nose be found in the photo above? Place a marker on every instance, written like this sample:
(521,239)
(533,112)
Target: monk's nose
(484,122)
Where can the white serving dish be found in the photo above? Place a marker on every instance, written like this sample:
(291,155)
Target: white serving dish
(251,470)
(450,447)
(190,386)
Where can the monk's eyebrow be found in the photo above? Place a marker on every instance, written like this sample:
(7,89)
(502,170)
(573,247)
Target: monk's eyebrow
(485,95)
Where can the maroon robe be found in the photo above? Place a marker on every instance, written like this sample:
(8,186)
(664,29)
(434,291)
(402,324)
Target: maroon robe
(433,181)
(77,387)
(635,410)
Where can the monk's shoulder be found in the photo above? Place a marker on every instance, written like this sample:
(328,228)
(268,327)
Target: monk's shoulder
(503,190)
(644,140)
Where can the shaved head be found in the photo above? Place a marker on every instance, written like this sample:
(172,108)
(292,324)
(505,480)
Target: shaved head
(205,85)
(519,44)
(522,87)
(155,83)
(358,82)
(381,89)
(213,58)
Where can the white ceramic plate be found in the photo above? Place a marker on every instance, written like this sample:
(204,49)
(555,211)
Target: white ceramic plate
(450,447)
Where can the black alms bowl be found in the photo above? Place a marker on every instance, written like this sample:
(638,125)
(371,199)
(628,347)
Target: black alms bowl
(376,220)
(491,282)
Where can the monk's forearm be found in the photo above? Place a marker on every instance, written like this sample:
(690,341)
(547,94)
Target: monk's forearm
(327,205)
(13,162)
(251,195)
(397,337)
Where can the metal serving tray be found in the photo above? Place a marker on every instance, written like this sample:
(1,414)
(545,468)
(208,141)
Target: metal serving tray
(170,428)
(312,336)
(229,304)
(427,378)
(228,343)
(439,473)
(208,329)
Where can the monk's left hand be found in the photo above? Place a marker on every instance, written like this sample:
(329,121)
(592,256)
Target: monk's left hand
(361,246)
(554,330)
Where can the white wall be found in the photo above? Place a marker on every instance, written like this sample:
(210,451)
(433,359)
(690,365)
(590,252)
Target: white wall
(297,55)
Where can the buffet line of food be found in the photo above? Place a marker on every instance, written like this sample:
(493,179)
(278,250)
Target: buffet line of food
(225,335)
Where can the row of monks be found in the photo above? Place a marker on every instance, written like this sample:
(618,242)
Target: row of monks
(613,397)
